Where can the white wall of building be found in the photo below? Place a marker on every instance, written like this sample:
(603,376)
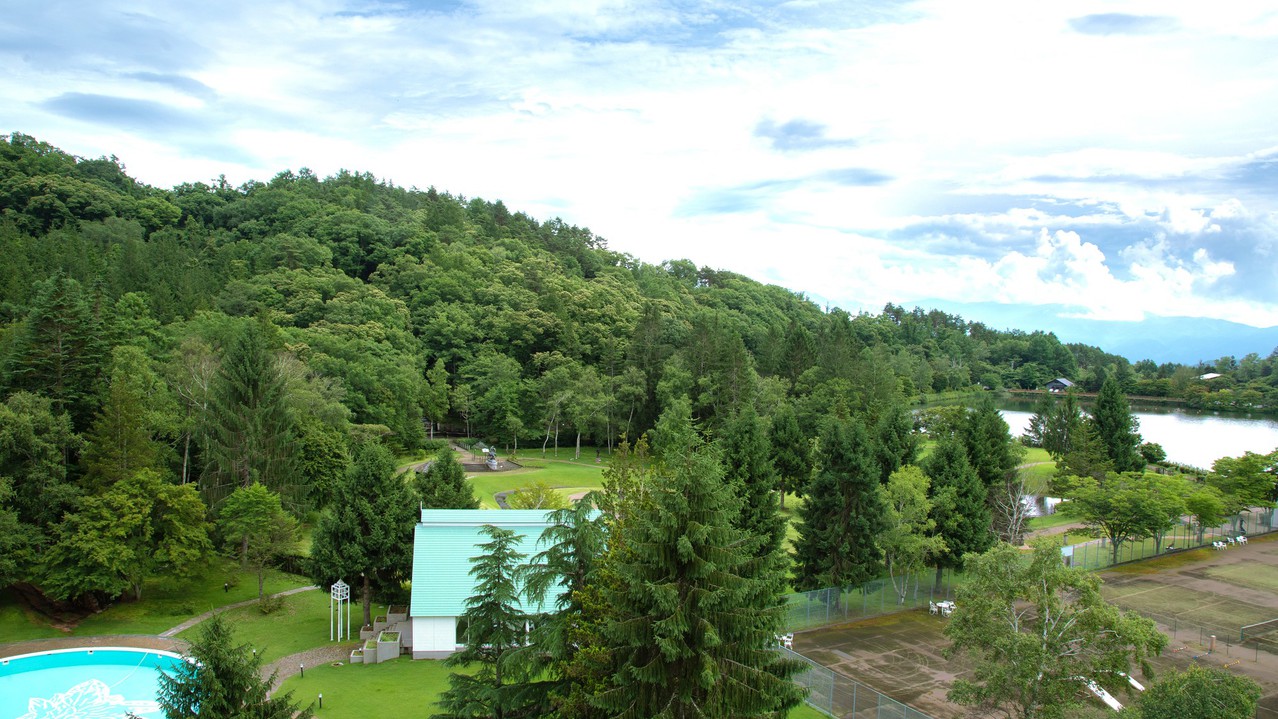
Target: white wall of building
(434,637)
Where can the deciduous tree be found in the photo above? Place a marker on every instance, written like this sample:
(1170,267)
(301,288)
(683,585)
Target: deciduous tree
(1038,632)
(140,527)
(255,525)
(908,539)
(1198,693)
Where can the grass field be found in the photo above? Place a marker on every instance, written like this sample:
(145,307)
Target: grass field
(1255,576)
(164,605)
(299,624)
(568,476)
(1170,600)
(401,687)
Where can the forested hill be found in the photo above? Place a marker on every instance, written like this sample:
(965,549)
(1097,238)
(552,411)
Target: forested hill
(384,307)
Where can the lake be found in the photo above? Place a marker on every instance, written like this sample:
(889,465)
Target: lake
(1194,438)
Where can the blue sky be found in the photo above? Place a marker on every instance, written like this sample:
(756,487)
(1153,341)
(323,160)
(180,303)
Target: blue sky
(1115,158)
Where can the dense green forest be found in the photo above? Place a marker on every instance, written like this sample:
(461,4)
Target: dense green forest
(162,347)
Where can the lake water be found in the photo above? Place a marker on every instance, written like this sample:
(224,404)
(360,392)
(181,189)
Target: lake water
(1189,437)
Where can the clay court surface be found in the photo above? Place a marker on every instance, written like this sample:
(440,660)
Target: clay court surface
(1191,594)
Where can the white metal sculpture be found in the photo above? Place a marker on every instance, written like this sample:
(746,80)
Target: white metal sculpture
(337,595)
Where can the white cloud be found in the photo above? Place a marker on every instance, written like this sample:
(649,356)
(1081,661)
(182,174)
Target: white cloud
(1041,164)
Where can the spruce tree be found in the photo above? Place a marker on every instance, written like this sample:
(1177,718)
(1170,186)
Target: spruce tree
(1119,431)
(896,443)
(57,351)
(748,470)
(994,454)
(791,452)
(223,680)
(696,610)
(1064,420)
(843,514)
(989,444)
(959,505)
(444,484)
(251,432)
(122,439)
(366,536)
(1086,457)
(495,630)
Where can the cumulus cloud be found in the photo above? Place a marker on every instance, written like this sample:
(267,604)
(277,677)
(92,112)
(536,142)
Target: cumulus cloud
(862,154)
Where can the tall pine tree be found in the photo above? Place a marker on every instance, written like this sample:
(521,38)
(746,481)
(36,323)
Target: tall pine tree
(696,608)
(896,443)
(1119,431)
(251,431)
(57,351)
(366,536)
(791,452)
(958,505)
(843,514)
(443,485)
(749,471)
(496,628)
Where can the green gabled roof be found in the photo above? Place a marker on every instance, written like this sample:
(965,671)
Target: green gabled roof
(443,545)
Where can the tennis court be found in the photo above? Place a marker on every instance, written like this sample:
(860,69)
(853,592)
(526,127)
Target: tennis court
(1193,595)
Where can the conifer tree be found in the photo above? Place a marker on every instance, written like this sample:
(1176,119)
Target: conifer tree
(749,471)
(57,351)
(695,608)
(1119,431)
(791,452)
(1064,420)
(444,484)
(896,443)
(367,534)
(496,628)
(989,444)
(844,512)
(1086,457)
(958,505)
(223,680)
(251,433)
(994,456)
(122,439)
(565,648)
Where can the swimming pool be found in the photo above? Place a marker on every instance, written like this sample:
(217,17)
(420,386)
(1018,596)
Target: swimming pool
(97,683)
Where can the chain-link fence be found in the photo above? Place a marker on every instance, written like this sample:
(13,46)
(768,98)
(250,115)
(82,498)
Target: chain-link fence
(822,607)
(841,696)
(1099,553)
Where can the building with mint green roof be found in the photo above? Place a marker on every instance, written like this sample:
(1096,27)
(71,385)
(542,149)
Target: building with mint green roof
(443,545)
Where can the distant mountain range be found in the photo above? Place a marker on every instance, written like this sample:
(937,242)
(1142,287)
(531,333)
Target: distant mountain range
(1187,340)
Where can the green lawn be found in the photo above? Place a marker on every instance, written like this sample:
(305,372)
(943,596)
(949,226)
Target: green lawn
(301,623)
(1051,520)
(401,687)
(571,476)
(164,604)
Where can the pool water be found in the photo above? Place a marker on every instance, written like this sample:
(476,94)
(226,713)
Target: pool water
(98,683)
